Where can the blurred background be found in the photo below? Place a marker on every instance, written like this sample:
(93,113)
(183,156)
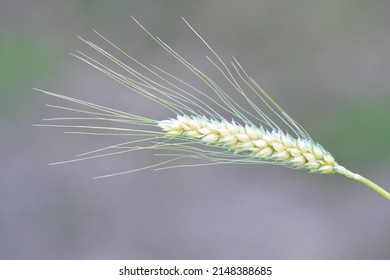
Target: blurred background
(326,62)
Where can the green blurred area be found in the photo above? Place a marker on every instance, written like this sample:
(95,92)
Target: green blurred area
(355,130)
(23,61)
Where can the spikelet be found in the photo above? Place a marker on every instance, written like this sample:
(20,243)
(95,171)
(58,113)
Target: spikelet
(256,142)
(199,128)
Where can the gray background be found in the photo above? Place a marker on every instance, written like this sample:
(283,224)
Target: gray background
(326,62)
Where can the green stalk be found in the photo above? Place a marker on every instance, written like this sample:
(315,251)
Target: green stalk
(342,170)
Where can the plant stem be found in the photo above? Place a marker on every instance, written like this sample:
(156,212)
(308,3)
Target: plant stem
(342,170)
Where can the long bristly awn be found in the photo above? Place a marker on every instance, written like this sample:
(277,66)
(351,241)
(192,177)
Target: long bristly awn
(210,126)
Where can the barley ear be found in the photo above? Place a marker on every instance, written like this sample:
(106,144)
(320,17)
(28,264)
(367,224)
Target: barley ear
(207,124)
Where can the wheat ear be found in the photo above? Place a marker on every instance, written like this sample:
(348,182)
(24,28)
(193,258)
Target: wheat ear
(200,129)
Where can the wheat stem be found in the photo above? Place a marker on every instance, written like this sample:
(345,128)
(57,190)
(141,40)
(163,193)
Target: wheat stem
(342,170)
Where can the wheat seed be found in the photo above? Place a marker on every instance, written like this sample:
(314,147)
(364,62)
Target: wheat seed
(199,128)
